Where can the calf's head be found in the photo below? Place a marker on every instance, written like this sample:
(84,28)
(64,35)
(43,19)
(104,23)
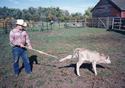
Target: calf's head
(105,59)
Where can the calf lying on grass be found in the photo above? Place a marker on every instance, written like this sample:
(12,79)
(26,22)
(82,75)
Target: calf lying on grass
(85,55)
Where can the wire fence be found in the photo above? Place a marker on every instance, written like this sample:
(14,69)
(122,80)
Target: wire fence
(108,23)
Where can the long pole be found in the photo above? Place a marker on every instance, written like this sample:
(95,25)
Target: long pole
(41,52)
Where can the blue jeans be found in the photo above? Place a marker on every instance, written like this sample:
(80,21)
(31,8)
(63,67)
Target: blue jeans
(17,53)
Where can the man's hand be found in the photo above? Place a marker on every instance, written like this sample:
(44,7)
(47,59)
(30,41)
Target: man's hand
(22,46)
(30,47)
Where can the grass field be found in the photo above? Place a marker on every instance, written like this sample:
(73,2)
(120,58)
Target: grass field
(49,73)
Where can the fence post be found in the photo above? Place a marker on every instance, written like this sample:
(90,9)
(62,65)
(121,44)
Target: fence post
(85,22)
(112,23)
(120,23)
(107,21)
(98,22)
(5,27)
(47,26)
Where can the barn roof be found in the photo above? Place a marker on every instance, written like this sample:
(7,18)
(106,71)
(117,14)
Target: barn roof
(119,3)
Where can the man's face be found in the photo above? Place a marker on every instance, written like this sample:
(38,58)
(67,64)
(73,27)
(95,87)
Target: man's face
(23,27)
(20,27)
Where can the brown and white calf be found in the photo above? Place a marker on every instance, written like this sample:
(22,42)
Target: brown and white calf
(85,55)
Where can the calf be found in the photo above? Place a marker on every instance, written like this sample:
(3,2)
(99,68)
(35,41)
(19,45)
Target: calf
(85,55)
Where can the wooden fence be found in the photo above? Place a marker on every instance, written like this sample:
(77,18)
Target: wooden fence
(100,22)
(106,22)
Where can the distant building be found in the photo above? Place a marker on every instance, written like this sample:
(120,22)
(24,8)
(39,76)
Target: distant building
(109,8)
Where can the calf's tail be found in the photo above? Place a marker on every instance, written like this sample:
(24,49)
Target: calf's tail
(74,55)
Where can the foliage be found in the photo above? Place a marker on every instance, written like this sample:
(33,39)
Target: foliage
(35,14)
(88,13)
(40,13)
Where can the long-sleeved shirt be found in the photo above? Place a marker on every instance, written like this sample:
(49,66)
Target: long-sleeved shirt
(18,37)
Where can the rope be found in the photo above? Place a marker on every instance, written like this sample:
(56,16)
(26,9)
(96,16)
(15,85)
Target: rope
(41,52)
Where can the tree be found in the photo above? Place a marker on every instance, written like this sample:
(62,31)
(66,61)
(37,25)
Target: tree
(76,16)
(88,13)
(40,13)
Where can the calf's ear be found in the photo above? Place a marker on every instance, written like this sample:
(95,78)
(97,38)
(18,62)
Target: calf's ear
(101,54)
(107,57)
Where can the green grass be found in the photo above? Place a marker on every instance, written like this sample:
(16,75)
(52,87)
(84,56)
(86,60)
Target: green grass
(67,39)
(105,73)
(5,56)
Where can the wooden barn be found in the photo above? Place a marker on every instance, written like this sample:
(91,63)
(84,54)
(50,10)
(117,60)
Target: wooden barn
(109,8)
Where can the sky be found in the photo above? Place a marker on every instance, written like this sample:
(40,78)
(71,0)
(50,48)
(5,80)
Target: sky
(72,6)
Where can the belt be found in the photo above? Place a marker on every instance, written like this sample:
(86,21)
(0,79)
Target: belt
(17,46)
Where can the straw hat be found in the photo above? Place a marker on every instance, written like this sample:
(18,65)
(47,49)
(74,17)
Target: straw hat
(20,22)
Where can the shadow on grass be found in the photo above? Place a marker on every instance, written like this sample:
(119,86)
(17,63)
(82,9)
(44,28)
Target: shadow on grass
(33,60)
(119,31)
(85,65)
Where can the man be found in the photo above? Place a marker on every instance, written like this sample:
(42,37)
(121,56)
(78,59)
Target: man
(18,40)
